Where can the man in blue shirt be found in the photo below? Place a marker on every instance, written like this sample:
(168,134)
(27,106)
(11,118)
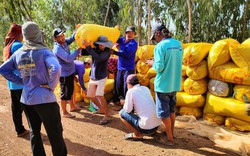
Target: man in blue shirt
(168,65)
(126,61)
(66,60)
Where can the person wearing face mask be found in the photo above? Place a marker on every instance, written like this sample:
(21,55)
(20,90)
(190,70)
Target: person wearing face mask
(127,47)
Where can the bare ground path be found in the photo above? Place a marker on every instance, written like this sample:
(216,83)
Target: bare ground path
(85,137)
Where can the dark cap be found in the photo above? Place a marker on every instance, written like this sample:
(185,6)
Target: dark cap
(57,32)
(132,79)
(103,40)
(130,28)
(155,28)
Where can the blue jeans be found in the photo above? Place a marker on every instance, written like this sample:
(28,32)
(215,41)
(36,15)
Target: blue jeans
(49,115)
(165,103)
(133,120)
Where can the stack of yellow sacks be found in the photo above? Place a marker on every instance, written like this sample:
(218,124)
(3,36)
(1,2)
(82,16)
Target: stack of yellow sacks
(229,62)
(192,99)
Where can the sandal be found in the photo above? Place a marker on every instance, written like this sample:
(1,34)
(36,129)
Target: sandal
(130,136)
(105,121)
(69,116)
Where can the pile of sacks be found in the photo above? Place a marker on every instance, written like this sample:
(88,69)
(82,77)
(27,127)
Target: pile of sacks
(229,86)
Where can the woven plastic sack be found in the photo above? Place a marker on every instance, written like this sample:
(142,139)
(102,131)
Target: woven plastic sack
(195,53)
(143,79)
(196,112)
(186,100)
(91,32)
(151,73)
(219,120)
(241,55)
(152,84)
(219,53)
(231,73)
(195,87)
(182,82)
(242,93)
(142,67)
(226,107)
(109,86)
(86,75)
(183,70)
(198,71)
(237,125)
(218,88)
(146,52)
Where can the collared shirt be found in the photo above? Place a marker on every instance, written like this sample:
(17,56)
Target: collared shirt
(168,65)
(140,100)
(99,62)
(126,60)
(64,56)
(37,67)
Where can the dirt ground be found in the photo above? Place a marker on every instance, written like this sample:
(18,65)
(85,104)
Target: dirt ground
(85,137)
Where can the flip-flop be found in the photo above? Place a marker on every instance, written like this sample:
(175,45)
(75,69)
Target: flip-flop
(69,116)
(130,136)
(105,121)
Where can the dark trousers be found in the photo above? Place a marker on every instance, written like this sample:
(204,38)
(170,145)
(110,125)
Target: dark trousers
(121,82)
(49,115)
(17,110)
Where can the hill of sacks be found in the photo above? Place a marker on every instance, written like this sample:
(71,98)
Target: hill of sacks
(215,78)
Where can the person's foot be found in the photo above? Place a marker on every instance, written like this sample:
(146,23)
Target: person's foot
(25,133)
(105,120)
(75,109)
(118,108)
(133,137)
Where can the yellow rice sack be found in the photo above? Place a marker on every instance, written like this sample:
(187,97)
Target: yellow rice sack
(151,73)
(91,32)
(183,71)
(152,93)
(241,55)
(195,53)
(142,67)
(86,75)
(108,96)
(219,120)
(198,71)
(152,84)
(231,73)
(237,125)
(219,53)
(143,79)
(196,112)
(242,93)
(195,87)
(182,82)
(78,97)
(109,86)
(186,100)
(226,107)
(146,52)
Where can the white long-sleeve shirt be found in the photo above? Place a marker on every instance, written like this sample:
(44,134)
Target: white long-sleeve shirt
(139,98)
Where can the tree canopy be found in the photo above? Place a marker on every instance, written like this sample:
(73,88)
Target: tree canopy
(209,20)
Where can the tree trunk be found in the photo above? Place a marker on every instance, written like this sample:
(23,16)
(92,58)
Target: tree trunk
(244,21)
(139,16)
(189,21)
(149,21)
(25,8)
(107,13)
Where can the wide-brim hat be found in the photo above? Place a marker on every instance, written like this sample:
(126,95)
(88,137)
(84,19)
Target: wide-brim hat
(103,40)
(157,27)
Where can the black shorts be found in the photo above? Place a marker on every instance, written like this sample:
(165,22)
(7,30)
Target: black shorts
(67,87)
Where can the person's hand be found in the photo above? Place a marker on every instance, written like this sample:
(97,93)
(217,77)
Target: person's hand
(86,43)
(75,79)
(116,46)
(150,62)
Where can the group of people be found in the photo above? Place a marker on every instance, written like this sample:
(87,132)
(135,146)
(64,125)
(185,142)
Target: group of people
(38,70)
